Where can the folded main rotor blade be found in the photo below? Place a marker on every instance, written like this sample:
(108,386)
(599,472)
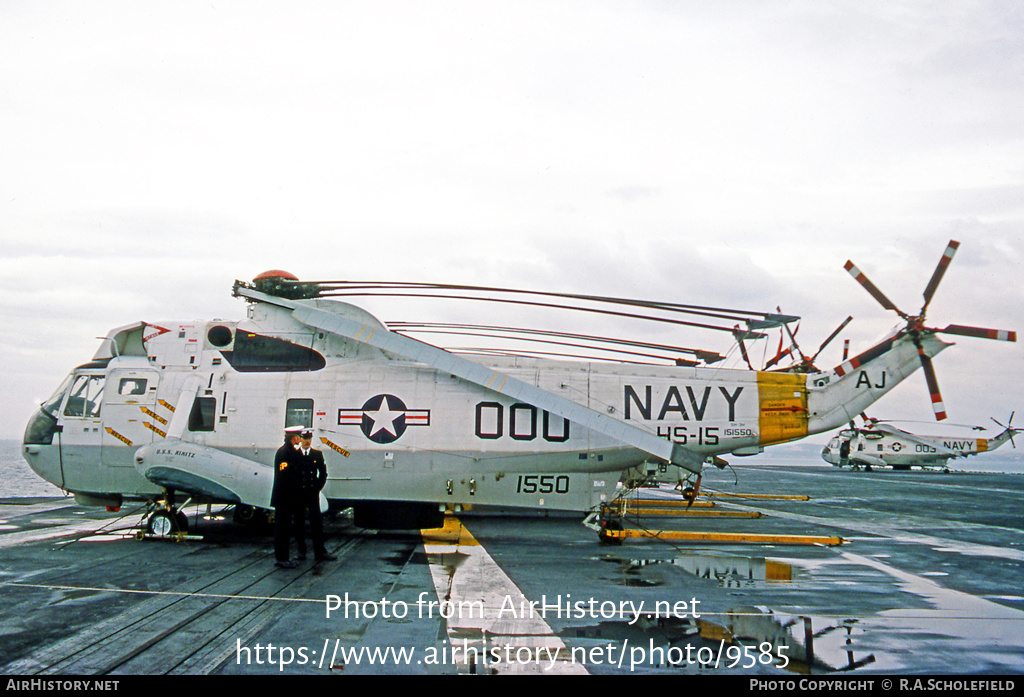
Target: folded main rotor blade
(360,288)
(933,385)
(524,334)
(743,349)
(871,288)
(831,336)
(980,333)
(792,341)
(940,270)
(778,357)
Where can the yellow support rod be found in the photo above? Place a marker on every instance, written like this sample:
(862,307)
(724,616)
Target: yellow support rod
(670,503)
(727,537)
(698,514)
(769,497)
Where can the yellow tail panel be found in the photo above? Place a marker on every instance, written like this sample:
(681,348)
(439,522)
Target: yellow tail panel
(782,398)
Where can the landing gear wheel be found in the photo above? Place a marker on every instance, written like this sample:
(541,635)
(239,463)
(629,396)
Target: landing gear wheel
(250,515)
(610,526)
(165,523)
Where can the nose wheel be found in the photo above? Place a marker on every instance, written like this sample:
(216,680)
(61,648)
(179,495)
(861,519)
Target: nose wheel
(165,523)
(610,525)
(166,518)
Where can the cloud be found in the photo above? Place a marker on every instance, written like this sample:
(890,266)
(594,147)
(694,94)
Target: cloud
(722,154)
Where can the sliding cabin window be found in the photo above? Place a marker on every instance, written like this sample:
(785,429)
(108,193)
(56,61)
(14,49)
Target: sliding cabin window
(203,415)
(299,412)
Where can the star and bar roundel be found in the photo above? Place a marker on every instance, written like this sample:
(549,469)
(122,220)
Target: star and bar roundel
(384,418)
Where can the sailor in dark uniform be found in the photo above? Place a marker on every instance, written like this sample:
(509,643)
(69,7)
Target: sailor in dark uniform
(312,474)
(285,496)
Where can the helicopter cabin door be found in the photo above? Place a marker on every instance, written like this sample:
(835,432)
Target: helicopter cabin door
(80,432)
(132,417)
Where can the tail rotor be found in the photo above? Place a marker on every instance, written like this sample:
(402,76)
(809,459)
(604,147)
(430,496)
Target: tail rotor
(916,329)
(1009,427)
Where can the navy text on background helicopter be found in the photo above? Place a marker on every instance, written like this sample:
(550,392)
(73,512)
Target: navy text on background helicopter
(879,444)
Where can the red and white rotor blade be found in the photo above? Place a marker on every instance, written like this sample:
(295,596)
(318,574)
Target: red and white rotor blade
(940,270)
(933,385)
(871,288)
(980,333)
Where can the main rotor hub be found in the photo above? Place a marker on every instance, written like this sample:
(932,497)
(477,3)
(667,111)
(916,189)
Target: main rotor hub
(283,284)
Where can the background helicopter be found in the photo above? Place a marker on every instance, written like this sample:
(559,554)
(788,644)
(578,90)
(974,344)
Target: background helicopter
(196,408)
(879,444)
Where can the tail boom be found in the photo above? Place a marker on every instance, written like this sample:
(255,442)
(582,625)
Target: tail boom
(859,382)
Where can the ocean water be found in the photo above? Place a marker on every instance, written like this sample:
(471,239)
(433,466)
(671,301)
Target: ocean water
(17,480)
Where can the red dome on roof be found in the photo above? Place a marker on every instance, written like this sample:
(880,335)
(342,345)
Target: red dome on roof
(276,273)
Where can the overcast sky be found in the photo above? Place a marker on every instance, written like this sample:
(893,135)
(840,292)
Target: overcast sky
(726,153)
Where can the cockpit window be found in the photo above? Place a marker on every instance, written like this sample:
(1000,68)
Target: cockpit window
(42,427)
(86,393)
(52,405)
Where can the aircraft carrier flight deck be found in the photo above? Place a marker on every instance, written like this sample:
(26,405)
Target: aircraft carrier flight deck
(825,571)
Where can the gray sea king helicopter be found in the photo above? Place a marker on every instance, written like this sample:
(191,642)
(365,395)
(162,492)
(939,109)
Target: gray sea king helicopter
(880,444)
(195,410)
